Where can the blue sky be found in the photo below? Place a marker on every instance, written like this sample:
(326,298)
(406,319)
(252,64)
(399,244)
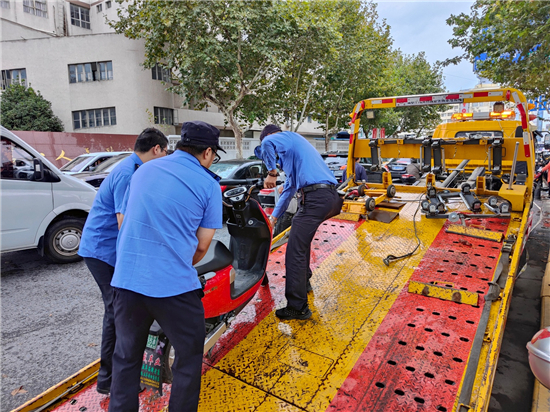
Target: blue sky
(420,26)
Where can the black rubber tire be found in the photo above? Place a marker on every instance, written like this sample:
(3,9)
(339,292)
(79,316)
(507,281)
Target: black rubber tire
(361,190)
(370,204)
(391,191)
(283,223)
(67,231)
(265,280)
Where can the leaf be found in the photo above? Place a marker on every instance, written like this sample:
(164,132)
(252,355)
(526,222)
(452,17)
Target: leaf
(18,391)
(91,345)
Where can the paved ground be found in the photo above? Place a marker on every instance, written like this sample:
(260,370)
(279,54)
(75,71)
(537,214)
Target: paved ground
(513,386)
(51,325)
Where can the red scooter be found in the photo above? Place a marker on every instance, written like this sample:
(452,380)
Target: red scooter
(230,279)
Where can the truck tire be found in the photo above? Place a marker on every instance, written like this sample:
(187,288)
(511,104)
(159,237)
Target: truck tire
(283,223)
(62,240)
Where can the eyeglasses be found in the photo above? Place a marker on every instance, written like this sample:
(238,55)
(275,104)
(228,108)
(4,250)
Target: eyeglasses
(217,158)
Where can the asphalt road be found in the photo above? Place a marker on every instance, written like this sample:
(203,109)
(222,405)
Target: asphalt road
(51,325)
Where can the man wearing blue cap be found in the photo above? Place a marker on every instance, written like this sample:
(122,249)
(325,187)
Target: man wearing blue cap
(174,207)
(307,173)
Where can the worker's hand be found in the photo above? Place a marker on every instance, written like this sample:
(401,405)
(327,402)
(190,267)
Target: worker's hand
(272,221)
(270,182)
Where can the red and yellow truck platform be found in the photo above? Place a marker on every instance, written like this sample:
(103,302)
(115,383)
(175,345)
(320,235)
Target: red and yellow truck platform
(411,334)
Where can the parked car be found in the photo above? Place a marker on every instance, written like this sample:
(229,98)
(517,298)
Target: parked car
(236,172)
(87,162)
(336,162)
(96,177)
(397,167)
(41,207)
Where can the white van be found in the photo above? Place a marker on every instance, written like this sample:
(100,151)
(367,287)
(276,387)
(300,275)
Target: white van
(40,206)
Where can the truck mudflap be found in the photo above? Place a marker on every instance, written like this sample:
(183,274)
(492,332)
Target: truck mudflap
(374,342)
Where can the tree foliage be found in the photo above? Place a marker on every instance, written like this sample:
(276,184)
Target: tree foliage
(514,38)
(408,75)
(329,70)
(25,109)
(219,51)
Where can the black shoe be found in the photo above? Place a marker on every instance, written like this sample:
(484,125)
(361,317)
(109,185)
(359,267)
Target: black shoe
(103,391)
(289,313)
(308,286)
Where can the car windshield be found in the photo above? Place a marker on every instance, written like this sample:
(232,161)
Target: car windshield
(109,164)
(224,170)
(76,164)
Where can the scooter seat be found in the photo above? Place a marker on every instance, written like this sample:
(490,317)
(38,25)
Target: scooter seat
(217,257)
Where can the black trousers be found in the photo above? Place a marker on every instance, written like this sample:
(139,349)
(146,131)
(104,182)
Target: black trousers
(317,206)
(103,274)
(182,320)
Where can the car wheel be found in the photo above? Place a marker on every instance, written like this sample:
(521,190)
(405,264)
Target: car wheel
(62,240)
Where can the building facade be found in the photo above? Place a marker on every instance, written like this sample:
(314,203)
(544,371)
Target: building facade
(94,77)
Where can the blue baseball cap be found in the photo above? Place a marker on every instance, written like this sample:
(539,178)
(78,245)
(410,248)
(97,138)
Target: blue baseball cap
(200,134)
(270,128)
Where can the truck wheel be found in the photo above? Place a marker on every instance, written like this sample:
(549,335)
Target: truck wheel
(62,240)
(283,223)
(370,204)
(391,192)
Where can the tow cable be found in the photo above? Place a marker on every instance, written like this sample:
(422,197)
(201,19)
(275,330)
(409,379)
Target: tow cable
(392,258)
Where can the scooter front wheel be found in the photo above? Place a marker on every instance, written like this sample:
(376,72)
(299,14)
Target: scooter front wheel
(265,280)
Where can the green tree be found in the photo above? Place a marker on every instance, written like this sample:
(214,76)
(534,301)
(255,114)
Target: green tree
(219,51)
(337,57)
(408,75)
(25,109)
(515,35)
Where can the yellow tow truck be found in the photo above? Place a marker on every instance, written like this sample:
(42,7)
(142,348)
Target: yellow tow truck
(411,284)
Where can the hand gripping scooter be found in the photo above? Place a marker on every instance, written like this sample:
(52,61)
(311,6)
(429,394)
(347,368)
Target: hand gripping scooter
(230,279)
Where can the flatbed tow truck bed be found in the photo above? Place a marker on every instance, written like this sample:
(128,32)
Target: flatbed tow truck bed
(394,337)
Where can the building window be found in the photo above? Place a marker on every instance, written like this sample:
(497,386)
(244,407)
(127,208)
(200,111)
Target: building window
(108,4)
(84,119)
(36,7)
(15,76)
(163,115)
(99,7)
(5,4)
(160,73)
(90,72)
(80,17)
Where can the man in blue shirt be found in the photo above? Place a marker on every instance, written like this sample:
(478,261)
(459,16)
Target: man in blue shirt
(305,172)
(360,172)
(98,243)
(174,208)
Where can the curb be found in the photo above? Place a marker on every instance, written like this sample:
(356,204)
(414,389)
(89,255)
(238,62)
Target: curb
(541,394)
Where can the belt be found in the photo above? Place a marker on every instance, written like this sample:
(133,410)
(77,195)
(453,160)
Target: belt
(311,188)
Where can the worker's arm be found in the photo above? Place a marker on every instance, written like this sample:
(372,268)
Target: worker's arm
(119,219)
(205,238)
(270,159)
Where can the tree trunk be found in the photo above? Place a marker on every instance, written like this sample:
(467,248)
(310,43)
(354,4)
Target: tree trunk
(327,133)
(237,132)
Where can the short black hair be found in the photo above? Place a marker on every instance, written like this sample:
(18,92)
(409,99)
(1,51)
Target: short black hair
(194,150)
(148,139)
